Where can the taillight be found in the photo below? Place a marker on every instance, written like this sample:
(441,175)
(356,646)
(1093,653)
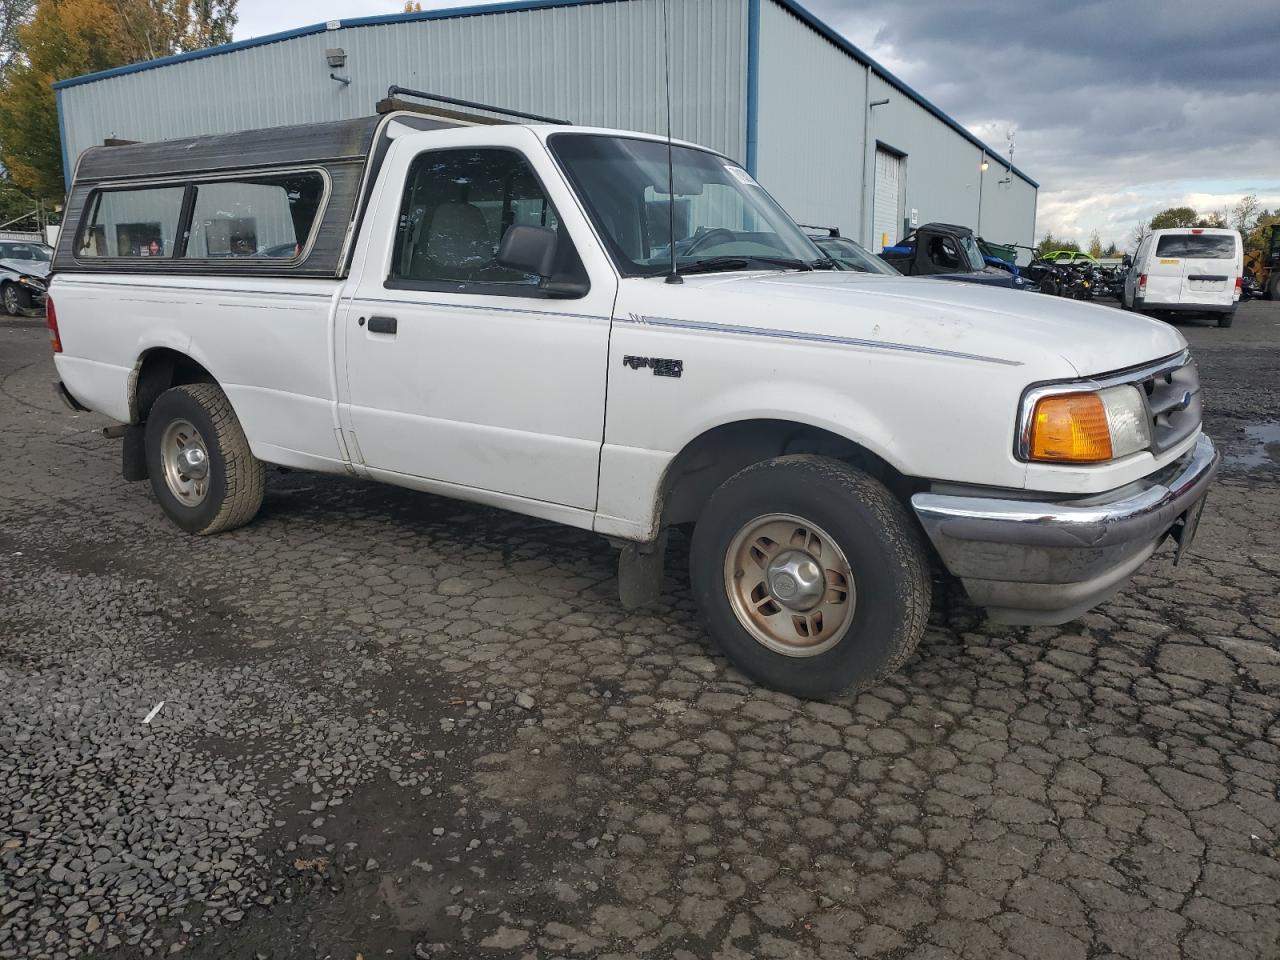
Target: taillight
(51,321)
(1239,283)
(1142,284)
(1197,232)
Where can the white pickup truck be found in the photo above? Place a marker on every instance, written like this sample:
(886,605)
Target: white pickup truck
(488,311)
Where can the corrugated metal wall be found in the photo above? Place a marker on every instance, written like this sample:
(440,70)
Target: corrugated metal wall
(811,101)
(597,64)
(812,98)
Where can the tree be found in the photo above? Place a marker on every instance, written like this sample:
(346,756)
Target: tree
(1260,236)
(1175,217)
(157,28)
(67,38)
(1111,250)
(13,14)
(1244,215)
(1050,242)
(1095,245)
(1139,234)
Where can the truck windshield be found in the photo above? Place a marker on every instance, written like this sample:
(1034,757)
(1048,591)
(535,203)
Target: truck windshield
(724,220)
(973,252)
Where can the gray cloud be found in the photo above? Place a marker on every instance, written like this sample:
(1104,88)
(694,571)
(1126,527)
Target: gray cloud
(1120,108)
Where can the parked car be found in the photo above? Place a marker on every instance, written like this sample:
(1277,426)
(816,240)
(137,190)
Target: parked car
(1066,258)
(848,254)
(948,252)
(488,312)
(24,273)
(1187,270)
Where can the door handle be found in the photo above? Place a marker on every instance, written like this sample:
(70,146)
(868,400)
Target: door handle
(382,324)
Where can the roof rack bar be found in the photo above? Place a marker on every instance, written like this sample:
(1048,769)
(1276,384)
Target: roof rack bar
(472,105)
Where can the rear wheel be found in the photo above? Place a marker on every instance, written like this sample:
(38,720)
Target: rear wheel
(1225,319)
(199,461)
(810,575)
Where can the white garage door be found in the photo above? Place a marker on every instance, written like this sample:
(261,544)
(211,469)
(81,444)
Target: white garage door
(886,208)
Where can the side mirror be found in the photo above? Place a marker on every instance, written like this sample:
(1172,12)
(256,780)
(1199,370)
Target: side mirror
(528,249)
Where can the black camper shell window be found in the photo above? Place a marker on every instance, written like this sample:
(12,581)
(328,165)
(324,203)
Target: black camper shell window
(233,220)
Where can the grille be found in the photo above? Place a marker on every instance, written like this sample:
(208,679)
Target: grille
(1173,405)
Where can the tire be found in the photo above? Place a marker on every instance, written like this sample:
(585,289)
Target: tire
(1225,319)
(229,493)
(849,645)
(13,299)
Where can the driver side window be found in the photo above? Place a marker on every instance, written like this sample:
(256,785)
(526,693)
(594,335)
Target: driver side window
(457,206)
(943,252)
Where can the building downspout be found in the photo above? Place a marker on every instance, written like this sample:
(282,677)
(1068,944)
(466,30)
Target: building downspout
(864,231)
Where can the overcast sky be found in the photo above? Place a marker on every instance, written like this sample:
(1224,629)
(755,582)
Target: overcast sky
(1119,108)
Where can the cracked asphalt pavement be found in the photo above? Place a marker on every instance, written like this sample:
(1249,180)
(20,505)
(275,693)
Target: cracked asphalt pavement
(377,723)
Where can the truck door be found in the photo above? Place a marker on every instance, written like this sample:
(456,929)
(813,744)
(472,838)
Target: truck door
(459,370)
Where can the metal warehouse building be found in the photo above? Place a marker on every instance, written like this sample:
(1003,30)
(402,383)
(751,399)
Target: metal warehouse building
(835,137)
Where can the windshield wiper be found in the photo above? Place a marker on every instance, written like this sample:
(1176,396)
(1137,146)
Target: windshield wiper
(710,264)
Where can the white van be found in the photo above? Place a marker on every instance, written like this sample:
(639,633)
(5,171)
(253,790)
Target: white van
(1190,270)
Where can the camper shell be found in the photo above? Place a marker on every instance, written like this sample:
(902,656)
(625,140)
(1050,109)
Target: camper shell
(345,156)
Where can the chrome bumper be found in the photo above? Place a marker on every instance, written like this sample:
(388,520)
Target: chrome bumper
(1046,562)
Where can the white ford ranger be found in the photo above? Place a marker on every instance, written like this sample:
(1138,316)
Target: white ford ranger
(488,311)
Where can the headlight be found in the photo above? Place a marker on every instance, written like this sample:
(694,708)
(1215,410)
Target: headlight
(32,282)
(1087,427)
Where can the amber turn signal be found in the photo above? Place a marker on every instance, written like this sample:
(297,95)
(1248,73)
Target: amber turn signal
(1071,428)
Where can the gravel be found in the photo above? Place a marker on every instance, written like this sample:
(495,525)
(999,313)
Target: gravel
(400,726)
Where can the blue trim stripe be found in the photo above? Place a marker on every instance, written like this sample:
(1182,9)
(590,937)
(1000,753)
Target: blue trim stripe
(753,84)
(745,331)
(62,139)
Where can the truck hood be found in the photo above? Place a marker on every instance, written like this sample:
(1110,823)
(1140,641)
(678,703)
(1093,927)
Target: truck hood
(923,313)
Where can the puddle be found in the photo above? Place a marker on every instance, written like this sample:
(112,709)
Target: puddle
(1263,447)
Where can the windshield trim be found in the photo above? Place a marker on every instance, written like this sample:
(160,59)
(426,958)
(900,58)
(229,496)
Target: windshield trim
(618,260)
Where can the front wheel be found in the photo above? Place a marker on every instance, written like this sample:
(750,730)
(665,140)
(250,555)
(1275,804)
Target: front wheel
(201,469)
(810,575)
(13,299)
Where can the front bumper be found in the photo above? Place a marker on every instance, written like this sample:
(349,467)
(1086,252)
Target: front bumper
(1046,562)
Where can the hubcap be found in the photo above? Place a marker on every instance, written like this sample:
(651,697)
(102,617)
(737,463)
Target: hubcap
(789,585)
(186,463)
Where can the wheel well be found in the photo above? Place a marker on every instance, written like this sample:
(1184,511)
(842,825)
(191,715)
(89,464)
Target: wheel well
(158,370)
(718,454)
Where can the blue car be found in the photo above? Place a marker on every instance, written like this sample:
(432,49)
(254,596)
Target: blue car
(951,252)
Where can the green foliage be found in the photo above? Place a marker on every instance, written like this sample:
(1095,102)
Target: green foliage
(1049,242)
(1172,217)
(67,38)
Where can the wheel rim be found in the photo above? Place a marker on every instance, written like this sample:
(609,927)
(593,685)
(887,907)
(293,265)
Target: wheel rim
(10,299)
(789,585)
(185,459)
